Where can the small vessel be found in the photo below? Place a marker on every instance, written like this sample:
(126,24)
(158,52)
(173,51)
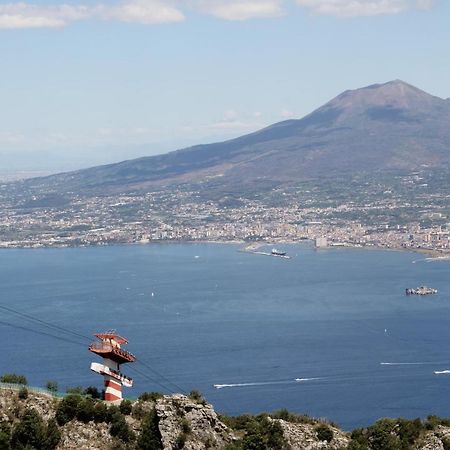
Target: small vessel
(421,290)
(276,252)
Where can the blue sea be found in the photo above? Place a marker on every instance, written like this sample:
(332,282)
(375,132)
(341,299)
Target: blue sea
(327,333)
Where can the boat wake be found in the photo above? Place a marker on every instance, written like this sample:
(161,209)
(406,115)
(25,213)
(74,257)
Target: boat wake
(442,372)
(265,383)
(406,363)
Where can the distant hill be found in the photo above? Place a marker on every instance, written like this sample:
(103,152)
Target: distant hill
(382,127)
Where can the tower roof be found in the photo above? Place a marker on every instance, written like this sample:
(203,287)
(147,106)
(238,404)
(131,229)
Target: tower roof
(112,334)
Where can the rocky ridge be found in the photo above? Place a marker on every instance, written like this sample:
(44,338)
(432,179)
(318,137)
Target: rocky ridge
(188,422)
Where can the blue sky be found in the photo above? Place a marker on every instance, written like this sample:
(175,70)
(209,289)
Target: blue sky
(96,82)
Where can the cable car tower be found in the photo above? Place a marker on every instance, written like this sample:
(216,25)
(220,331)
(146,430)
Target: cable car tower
(109,348)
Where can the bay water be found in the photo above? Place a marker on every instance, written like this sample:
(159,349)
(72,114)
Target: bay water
(329,333)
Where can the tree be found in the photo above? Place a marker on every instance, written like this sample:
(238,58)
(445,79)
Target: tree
(93,392)
(120,429)
(67,409)
(13,378)
(5,434)
(86,410)
(100,412)
(30,431)
(126,407)
(150,437)
(52,435)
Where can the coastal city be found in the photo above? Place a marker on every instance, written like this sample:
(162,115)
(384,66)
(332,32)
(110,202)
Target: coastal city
(382,215)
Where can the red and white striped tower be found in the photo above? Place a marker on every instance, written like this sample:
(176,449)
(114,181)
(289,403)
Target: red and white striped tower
(109,348)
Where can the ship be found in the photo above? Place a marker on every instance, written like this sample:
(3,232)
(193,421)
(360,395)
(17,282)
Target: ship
(421,290)
(276,252)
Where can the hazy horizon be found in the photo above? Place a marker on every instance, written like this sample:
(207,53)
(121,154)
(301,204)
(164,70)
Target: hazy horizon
(88,84)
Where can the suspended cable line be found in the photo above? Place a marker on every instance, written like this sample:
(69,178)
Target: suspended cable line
(54,327)
(43,322)
(148,367)
(59,338)
(149,378)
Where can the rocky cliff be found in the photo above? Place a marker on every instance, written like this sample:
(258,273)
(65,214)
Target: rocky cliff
(36,420)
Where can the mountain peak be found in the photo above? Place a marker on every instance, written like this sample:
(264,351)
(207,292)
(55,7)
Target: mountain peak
(394,94)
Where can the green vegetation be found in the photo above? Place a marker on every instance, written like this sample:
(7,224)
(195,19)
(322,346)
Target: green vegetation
(32,432)
(13,378)
(150,436)
(5,435)
(120,429)
(395,434)
(150,396)
(23,428)
(197,396)
(324,432)
(93,392)
(126,407)
(23,393)
(52,386)
(260,433)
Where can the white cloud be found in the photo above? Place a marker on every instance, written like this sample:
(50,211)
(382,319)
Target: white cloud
(355,8)
(233,121)
(287,114)
(23,14)
(28,15)
(7,137)
(239,9)
(147,12)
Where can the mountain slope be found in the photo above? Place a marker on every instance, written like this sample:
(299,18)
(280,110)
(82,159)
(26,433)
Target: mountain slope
(391,126)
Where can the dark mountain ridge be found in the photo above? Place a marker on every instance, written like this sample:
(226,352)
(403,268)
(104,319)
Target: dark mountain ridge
(382,127)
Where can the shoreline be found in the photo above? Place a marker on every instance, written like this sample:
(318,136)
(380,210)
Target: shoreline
(250,247)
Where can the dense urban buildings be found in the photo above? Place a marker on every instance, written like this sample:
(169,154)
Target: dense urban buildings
(407,211)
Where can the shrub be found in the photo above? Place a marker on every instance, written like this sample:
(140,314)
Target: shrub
(52,386)
(93,392)
(23,393)
(324,433)
(100,412)
(5,434)
(67,409)
(150,436)
(150,396)
(52,435)
(196,396)
(112,411)
(126,407)
(446,443)
(29,431)
(382,435)
(13,378)
(288,416)
(185,426)
(433,421)
(85,410)
(180,441)
(261,433)
(77,390)
(120,429)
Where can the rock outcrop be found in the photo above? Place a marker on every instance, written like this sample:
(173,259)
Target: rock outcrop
(304,437)
(188,422)
(181,418)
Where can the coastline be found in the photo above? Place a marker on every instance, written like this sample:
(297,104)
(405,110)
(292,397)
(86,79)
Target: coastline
(249,247)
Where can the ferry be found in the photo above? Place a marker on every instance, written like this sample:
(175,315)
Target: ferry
(276,252)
